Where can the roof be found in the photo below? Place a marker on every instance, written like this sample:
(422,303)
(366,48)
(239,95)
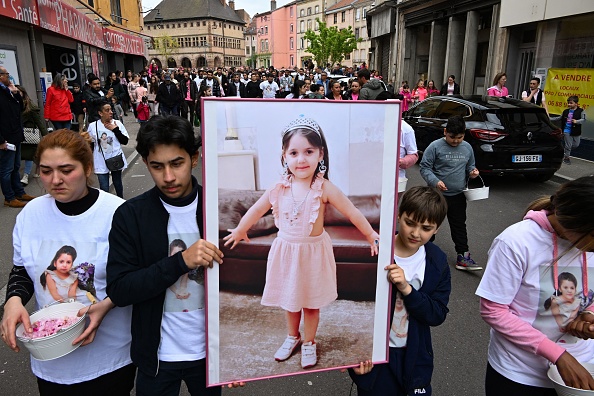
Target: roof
(485,102)
(340,4)
(193,9)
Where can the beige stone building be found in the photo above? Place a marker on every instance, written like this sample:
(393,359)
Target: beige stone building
(209,33)
(307,13)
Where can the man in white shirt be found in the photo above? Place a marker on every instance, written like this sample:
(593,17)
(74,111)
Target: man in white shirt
(269,88)
(199,78)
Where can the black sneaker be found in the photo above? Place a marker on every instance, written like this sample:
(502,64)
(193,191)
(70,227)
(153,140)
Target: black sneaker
(566,161)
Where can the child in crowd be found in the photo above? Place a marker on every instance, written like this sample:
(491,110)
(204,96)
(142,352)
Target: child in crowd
(407,97)
(78,106)
(143,110)
(119,111)
(420,92)
(422,284)
(572,120)
(59,279)
(447,164)
(301,270)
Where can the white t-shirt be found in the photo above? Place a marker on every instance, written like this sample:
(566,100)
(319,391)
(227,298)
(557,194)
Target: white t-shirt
(269,90)
(414,272)
(41,230)
(408,145)
(519,273)
(184,300)
(110,145)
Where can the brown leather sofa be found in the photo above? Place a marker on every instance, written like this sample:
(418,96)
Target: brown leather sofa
(244,267)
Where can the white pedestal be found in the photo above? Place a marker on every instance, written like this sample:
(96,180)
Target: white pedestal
(236,170)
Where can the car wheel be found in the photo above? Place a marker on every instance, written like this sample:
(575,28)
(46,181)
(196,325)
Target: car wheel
(539,177)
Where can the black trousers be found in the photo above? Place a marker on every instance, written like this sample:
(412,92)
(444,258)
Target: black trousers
(497,385)
(188,107)
(457,220)
(117,383)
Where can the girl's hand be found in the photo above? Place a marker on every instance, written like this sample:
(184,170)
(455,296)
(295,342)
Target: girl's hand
(573,373)
(96,313)
(364,367)
(373,240)
(235,237)
(14,313)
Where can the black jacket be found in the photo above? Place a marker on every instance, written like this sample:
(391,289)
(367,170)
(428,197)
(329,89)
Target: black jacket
(93,100)
(11,127)
(216,87)
(444,89)
(139,270)
(232,91)
(426,307)
(252,89)
(184,89)
(78,105)
(576,129)
(169,98)
(118,89)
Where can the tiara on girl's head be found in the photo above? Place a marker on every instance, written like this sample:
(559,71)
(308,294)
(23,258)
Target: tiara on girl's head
(302,122)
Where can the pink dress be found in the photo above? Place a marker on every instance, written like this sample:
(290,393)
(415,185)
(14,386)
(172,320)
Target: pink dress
(301,269)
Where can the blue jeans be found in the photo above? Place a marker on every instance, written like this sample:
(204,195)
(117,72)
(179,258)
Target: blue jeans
(28,167)
(61,124)
(116,176)
(169,378)
(165,110)
(10,179)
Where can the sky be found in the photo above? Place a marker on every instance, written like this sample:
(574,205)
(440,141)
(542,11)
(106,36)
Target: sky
(252,7)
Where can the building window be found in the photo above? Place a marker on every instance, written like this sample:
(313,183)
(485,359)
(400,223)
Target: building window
(267,45)
(317,25)
(291,43)
(203,23)
(167,26)
(308,10)
(302,12)
(203,41)
(358,14)
(335,19)
(91,3)
(302,26)
(317,9)
(301,41)
(343,16)
(309,24)
(357,33)
(185,24)
(116,11)
(179,25)
(265,29)
(148,27)
(291,28)
(364,13)
(347,57)
(261,45)
(291,11)
(292,61)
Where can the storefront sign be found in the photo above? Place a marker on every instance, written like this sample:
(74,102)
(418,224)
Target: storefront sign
(22,10)
(64,61)
(563,83)
(66,20)
(126,43)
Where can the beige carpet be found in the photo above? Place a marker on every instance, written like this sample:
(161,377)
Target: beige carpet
(251,333)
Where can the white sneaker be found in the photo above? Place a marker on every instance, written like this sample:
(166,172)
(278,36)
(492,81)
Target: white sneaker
(287,349)
(309,356)
(25,179)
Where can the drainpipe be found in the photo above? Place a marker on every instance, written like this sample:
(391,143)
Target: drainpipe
(35,62)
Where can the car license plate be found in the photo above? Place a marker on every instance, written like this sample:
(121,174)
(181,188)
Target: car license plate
(527,158)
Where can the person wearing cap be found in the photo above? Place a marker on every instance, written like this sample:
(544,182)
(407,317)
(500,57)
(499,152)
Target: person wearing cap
(169,97)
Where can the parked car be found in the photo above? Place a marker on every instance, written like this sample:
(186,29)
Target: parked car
(507,135)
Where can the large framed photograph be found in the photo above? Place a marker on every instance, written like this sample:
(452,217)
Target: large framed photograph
(297,194)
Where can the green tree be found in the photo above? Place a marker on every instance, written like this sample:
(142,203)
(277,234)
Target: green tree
(330,45)
(166,45)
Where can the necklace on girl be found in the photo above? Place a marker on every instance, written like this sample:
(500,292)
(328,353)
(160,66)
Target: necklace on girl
(297,206)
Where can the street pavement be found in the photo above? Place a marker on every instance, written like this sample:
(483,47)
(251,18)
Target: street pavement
(460,344)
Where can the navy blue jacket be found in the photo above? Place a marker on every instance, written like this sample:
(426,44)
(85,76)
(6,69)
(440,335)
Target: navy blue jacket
(11,107)
(139,270)
(426,307)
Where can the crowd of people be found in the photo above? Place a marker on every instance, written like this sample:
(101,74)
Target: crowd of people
(137,258)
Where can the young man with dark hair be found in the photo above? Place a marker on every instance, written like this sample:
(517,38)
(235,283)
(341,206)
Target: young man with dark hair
(447,164)
(164,284)
(95,97)
(534,94)
(370,87)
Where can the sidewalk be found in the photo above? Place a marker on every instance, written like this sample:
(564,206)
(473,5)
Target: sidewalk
(578,168)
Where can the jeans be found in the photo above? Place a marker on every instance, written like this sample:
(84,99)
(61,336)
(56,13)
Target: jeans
(61,124)
(10,179)
(457,220)
(28,167)
(117,383)
(571,142)
(171,374)
(188,107)
(166,110)
(116,177)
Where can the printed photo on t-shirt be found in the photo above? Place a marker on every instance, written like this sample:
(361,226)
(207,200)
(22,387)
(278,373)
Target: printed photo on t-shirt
(399,328)
(187,293)
(559,306)
(70,273)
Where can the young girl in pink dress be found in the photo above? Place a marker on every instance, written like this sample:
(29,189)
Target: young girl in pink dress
(301,270)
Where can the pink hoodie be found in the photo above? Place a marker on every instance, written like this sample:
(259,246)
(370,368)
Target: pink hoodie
(511,326)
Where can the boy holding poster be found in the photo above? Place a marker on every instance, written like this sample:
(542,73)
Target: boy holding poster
(420,293)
